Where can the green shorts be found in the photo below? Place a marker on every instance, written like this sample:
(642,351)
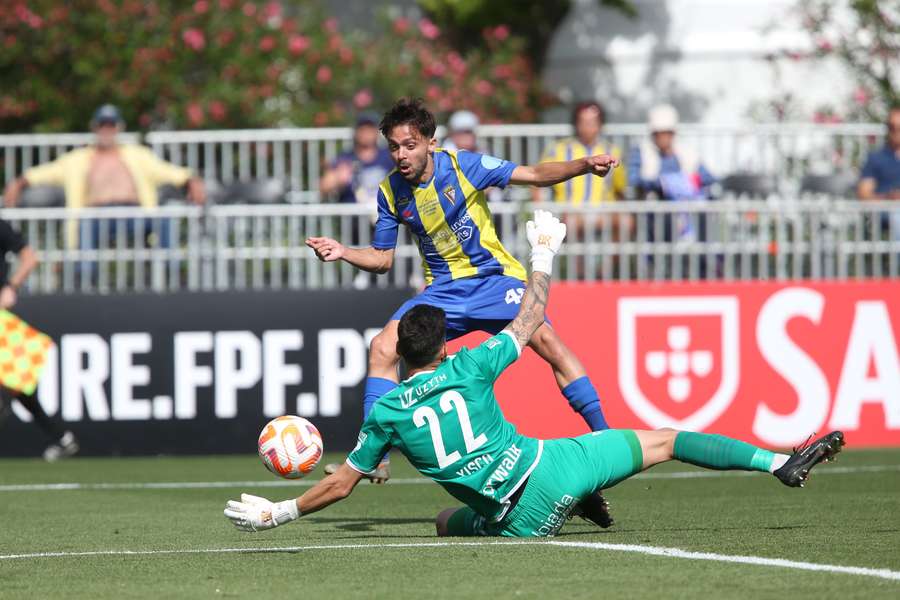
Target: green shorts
(570,469)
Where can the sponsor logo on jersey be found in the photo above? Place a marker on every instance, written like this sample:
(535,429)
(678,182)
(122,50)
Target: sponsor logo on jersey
(508,461)
(403,201)
(360,440)
(412,395)
(458,232)
(554,521)
(408,214)
(492,343)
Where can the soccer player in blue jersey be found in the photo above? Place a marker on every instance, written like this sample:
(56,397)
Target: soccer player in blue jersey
(438,194)
(446,421)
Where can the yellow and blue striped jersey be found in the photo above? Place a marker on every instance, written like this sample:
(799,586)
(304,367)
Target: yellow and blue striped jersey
(586,189)
(449,217)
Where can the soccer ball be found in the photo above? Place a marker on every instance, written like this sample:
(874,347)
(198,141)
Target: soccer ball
(290,446)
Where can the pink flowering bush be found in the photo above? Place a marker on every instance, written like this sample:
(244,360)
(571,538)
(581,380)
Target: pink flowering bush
(240,63)
(865,36)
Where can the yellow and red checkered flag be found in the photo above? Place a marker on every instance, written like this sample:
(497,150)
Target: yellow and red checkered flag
(23,353)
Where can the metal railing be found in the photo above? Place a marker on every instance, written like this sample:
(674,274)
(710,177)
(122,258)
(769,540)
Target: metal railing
(116,250)
(295,156)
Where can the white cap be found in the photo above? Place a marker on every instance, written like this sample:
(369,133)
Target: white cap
(663,117)
(462,120)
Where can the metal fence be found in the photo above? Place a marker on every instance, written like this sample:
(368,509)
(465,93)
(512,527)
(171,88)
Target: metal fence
(115,250)
(785,151)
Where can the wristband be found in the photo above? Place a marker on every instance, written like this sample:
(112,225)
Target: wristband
(284,512)
(542,259)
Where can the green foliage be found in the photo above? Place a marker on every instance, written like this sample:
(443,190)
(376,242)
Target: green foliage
(534,21)
(228,63)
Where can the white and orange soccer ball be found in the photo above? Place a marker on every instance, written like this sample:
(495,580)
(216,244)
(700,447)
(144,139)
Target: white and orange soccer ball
(290,446)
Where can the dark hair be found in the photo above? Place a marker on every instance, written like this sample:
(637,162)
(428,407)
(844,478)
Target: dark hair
(421,335)
(583,106)
(412,112)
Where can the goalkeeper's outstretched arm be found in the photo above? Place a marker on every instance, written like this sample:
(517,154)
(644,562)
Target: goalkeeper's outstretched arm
(545,235)
(253,513)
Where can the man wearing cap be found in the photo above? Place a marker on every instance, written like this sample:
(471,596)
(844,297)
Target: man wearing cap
(661,168)
(461,132)
(355,174)
(107,174)
(461,136)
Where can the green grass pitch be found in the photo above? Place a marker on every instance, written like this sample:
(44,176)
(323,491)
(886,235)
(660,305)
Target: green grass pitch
(849,517)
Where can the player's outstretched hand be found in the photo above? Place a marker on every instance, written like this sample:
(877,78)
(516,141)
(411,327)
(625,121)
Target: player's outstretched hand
(326,249)
(545,234)
(601,164)
(254,513)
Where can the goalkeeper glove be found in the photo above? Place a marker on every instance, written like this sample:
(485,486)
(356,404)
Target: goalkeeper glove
(253,513)
(545,234)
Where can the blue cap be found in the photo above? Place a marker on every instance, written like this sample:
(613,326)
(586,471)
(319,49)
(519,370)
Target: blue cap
(367,118)
(108,113)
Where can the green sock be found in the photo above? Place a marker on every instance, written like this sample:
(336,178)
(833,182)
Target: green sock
(720,452)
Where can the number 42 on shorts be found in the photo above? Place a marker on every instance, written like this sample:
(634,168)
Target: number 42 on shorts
(514,295)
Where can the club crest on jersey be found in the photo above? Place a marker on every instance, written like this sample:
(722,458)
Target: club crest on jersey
(450,194)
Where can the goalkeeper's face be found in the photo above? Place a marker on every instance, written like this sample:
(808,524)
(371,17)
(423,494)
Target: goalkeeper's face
(411,152)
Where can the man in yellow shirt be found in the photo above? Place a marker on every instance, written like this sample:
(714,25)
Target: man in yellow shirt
(588,119)
(108,174)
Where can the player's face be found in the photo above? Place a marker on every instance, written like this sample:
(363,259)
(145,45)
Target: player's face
(411,152)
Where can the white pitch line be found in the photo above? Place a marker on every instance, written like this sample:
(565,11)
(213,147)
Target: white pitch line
(277,483)
(746,560)
(633,548)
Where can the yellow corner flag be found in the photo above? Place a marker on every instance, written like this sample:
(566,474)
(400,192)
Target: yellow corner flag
(23,353)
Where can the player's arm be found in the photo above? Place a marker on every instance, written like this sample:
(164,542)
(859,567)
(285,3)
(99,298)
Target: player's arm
(545,235)
(367,259)
(254,513)
(379,257)
(550,173)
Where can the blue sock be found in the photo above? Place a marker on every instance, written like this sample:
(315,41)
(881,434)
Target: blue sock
(376,387)
(584,400)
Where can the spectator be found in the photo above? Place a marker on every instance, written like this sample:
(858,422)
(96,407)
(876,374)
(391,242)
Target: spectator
(109,174)
(880,179)
(660,169)
(461,135)
(588,119)
(663,170)
(63,443)
(461,132)
(354,175)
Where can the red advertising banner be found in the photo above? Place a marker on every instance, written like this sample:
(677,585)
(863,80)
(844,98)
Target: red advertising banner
(770,363)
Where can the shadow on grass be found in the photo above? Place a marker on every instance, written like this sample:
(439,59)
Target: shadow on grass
(367,524)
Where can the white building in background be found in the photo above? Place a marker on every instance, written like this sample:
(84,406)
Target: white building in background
(706,57)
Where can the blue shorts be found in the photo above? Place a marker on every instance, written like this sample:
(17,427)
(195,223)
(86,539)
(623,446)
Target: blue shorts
(473,303)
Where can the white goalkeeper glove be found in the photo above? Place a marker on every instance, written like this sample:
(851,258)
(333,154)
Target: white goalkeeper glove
(253,513)
(545,234)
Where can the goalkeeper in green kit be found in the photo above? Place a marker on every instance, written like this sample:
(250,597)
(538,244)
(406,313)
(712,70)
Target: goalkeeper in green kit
(445,419)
